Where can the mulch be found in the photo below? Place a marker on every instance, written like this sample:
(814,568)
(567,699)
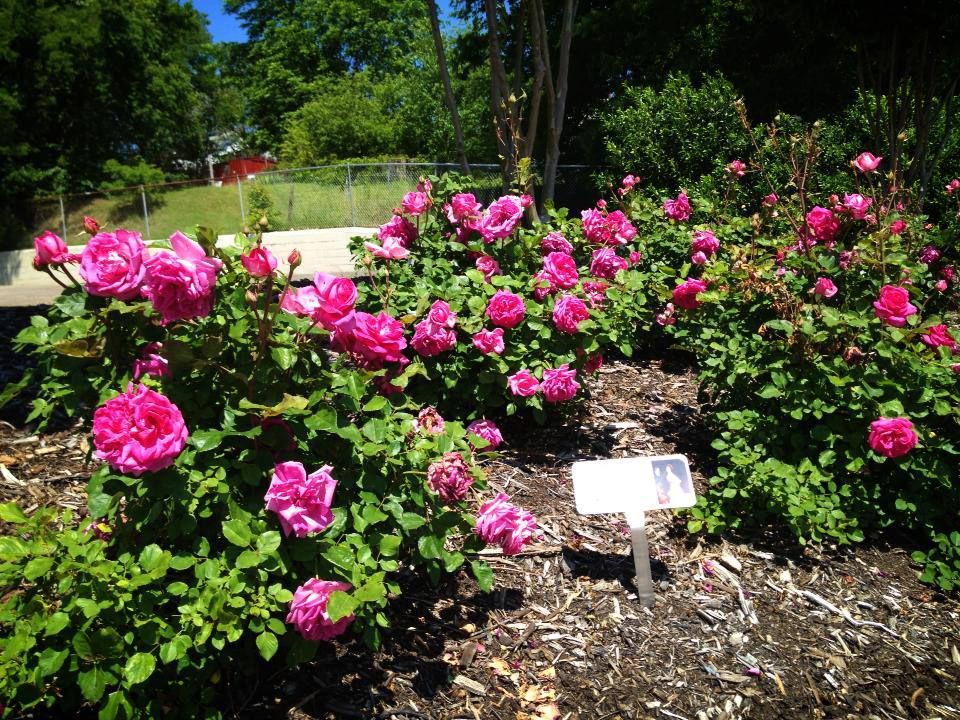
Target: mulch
(745,627)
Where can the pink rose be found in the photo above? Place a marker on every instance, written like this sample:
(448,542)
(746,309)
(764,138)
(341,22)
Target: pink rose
(736,168)
(621,231)
(112,264)
(893,306)
(892,437)
(506,309)
(441,314)
(180,284)
(336,298)
(49,249)
(150,363)
(555,242)
(635,257)
(594,227)
(948,273)
(259,262)
(677,209)
(488,266)
(301,502)
(502,218)
(953,186)
(431,338)
(489,341)
(90,225)
(568,312)
(685,294)
(605,263)
(866,162)
(303,302)
(462,206)
(450,478)
(523,383)
(822,224)
(704,241)
(771,200)
(561,269)
(698,258)
(488,431)
(629,181)
(138,431)
(377,338)
(501,523)
(596,293)
(399,229)
(429,420)
(941,285)
(897,227)
(559,384)
(929,255)
(666,317)
(392,249)
(308,610)
(416,203)
(593,363)
(856,206)
(824,287)
(543,285)
(939,336)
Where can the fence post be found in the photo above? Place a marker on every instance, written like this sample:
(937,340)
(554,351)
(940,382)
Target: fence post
(63,219)
(243,213)
(353,210)
(146,214)
(290,208)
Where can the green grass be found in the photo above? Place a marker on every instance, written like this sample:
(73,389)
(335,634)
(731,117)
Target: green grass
(317,202)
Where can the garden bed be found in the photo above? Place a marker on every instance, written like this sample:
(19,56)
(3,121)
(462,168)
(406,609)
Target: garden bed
(747,627)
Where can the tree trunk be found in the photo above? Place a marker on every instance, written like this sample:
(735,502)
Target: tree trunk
(500,95)
(448,86)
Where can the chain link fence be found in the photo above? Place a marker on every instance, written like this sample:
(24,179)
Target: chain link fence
(345,195)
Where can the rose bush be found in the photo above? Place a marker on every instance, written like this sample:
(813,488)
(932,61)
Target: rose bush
(824,332)
(267,483)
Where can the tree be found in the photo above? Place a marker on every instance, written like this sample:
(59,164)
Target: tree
(450,98)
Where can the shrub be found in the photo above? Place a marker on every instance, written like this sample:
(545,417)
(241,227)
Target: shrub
(823,333)
(255,482)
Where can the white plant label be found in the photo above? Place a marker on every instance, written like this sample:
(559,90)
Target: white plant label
(633,486)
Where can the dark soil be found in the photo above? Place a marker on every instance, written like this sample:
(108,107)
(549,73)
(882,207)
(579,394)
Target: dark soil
(739,630)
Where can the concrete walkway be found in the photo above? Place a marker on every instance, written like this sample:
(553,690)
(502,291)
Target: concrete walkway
(325,250)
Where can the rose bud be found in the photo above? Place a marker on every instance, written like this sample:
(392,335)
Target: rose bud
(90,226)
(294,259)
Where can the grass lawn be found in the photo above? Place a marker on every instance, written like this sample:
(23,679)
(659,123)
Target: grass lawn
(314,202)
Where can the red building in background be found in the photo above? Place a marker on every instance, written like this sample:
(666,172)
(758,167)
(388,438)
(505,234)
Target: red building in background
(242,167)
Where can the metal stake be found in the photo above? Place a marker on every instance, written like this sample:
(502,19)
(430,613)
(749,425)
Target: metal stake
(63,219)
(641,558)
(146,215)
(353,210)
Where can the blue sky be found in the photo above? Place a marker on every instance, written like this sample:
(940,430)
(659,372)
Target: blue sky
(225,28)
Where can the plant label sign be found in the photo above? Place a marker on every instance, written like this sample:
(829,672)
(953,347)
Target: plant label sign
(633,486)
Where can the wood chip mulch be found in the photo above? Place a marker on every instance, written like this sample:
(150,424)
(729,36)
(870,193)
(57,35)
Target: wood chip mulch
(742,627)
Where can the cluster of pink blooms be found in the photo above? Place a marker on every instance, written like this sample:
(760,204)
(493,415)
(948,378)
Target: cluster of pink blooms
(435,334)
(303,503)
(497,222)
(703,247)
(626,185)
(607,228)
(138,431)
(677,209)
(605,263)
(558,384)
(953,186)
(308,610)
(179,284)
(450,478)
(499,522)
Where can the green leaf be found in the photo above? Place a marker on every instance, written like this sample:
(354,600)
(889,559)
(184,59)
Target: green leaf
(285,357)
(50,660)
(151,557)
(56,623)
(92,683)
(378,402)
(237,532)
(204,440)
(11,513)
(389,545)
(483,574)
(267,644)
(411,521)
(138,668)
(340,605)
(248,559)
(37,568)
(268,542)
(177,588)
(430,546)
(341,556)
